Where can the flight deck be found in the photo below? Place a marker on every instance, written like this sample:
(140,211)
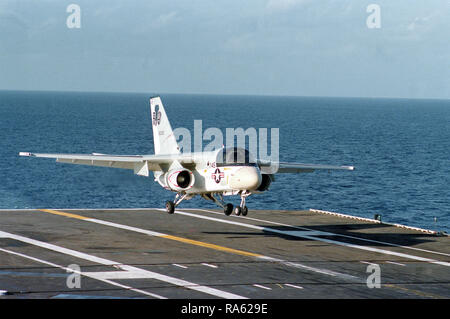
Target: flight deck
(201,253)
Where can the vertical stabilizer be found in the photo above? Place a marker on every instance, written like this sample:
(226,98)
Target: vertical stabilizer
(163,137)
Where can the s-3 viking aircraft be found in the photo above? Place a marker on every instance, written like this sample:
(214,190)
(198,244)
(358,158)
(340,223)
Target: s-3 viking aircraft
(212,175)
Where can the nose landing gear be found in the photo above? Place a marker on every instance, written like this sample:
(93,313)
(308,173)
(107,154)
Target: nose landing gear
(228,208)
(242,209)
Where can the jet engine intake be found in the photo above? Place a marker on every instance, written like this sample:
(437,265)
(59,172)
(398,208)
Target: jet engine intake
(180,179)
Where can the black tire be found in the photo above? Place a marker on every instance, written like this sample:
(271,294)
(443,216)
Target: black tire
(228,209)
(237,210)
(170,207)
(245,211)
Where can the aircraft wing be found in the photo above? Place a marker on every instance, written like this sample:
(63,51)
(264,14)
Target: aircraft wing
(141,164)
(268,167)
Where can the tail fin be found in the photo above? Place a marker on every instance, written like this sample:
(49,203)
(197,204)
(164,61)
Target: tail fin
(163,137)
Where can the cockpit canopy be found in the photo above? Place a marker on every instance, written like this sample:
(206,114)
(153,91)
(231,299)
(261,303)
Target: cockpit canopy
(234,156)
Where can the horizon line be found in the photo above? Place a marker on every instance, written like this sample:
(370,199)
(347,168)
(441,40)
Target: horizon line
(226,94)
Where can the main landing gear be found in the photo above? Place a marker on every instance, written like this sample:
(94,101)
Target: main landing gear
(238,210)
(228,208)
(242,209)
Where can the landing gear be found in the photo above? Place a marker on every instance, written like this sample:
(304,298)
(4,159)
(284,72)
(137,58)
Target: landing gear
(170,206)
(242,208)
(228,209)
(241,211)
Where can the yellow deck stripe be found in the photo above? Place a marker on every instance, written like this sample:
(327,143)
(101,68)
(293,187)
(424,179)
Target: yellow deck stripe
(175,238)
(55,212)
(216,247)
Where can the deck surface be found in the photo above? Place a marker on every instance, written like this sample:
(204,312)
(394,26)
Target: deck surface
(196,253)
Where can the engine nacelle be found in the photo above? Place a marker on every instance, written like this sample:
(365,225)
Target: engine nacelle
(265,183)
(179,179)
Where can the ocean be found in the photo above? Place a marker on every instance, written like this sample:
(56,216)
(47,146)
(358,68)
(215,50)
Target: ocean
(400,148)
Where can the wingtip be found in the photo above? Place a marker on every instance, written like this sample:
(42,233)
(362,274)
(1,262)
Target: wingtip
(24,154)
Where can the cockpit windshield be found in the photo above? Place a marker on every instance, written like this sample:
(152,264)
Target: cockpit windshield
(234,156)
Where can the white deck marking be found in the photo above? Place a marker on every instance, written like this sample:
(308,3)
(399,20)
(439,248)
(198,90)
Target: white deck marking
(311,237)
(309,268)
(209,265)
(135,229)
(180,266)
(262,287)
(293,286)
(395,263)
(59,249)
(241,217)
(83,274)
(325,233)
(132,271)
(202,244)
(116,275)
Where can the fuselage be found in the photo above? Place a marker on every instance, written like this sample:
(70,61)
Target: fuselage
(226,171)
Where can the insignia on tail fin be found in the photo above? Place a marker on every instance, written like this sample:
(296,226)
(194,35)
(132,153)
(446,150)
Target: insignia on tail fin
(163,137)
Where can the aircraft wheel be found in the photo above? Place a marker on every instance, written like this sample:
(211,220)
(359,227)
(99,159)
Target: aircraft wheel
(237,211)
(170,207)
(228,209)
(244,211)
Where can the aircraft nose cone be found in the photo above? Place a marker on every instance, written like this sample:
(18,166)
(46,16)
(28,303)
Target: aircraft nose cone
(246,178)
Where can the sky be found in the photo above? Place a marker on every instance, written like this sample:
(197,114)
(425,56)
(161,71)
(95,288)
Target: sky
(261,47)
